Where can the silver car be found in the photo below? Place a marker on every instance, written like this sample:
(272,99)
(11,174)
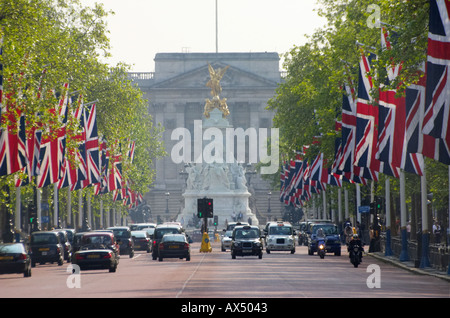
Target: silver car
(226,240)
(280,236)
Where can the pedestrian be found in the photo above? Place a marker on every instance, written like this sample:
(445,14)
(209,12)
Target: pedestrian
(233,216)
(408,230)
(437,232)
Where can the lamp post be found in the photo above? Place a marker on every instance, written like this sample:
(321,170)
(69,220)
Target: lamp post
(167,202)
(269,194)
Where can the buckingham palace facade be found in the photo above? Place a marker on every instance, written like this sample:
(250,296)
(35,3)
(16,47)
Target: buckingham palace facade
(176,93)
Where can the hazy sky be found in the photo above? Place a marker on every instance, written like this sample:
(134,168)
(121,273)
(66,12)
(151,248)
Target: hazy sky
(141,28)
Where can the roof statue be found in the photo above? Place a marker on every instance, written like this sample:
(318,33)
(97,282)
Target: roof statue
(216,89)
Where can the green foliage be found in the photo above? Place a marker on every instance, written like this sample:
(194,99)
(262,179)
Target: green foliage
(47,43)
(307,102)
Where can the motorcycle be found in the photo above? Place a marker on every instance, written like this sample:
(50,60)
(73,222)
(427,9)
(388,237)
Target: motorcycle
(355,255)
(321,248)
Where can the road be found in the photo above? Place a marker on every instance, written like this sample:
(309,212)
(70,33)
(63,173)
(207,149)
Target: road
(216,275)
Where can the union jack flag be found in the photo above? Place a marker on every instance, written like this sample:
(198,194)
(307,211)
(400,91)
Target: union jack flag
(391,117)
(366,136)
(51,156)
(102,186)
(114,177)
(419,144)
(73,172)
(436,121)
(344,165)
(92,149)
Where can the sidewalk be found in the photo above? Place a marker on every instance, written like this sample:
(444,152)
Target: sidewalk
(409,265)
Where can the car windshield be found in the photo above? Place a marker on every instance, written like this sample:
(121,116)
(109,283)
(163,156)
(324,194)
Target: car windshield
(246,233)
(328,229)
(280,230)
(97,239)
(160,232)
(44,239)
(11,248)
(121,233)
(139,234)
(142,227)
(173,238)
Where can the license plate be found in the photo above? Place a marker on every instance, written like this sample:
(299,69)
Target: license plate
(44,249)
(246,251)
(137,246)
(93,256)
(173,246)
(6,258)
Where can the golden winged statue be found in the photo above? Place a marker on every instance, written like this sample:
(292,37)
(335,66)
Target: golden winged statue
(216,89)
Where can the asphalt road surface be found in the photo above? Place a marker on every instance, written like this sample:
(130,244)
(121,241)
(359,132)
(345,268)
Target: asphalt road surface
(216,275)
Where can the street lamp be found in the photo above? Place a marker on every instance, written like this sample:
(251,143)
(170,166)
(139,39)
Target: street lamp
(269,194)
(167,202)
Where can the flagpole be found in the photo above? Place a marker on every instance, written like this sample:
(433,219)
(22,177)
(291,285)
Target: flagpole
(17,222)
(424,260)
(55,205)
(358,202)
(387,200)
(217,28)
(404,253)
(69,206)
(448,229)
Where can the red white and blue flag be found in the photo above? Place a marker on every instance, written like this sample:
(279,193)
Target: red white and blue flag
(436,120)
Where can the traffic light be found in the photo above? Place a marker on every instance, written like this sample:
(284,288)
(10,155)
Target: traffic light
(216,220)
(200,208)
(379,204)
(372,207)
(209,208)
(205,208)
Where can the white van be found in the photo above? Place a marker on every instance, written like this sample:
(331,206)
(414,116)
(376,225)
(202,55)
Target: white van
(280,236)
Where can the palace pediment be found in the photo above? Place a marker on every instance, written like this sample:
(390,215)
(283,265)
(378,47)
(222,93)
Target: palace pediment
(234,78)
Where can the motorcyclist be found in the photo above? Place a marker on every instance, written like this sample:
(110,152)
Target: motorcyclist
(348,233)
(355,241)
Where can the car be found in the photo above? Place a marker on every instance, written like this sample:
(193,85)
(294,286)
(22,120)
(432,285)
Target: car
(226,240)
(46,247)
(14,259)
(70,234)
(99,250)
(123,237)
(67,246)
(76,241)
(141,226)
(332,240)
(231,225)
(246,241)
(280,236)
(174,246)
(302,236)
(141,241)
(160,231)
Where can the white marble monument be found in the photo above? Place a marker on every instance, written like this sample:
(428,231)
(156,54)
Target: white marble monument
(221,180)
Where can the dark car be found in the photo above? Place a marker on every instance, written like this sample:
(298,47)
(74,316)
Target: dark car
(174,246)
(246,241)
(70,234)
(123,237)
(14,258)
(67,246)
(98,250)
(302,236)
(46,248)
(160,231)
(141,241)
(332,238)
